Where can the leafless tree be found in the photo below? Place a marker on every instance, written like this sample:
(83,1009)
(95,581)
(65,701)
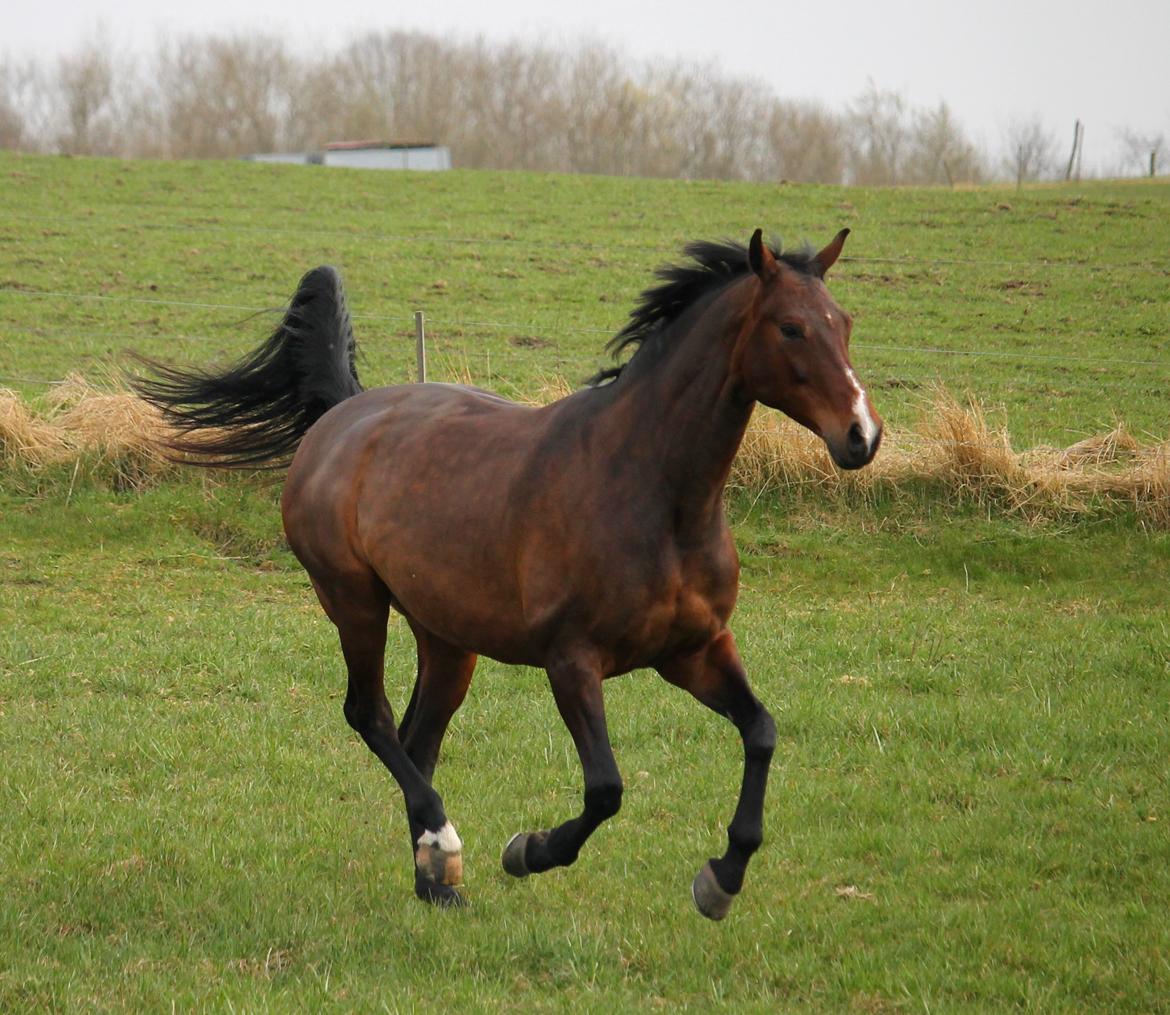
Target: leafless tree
(806,143)
(607,111)
(587,109)
(84,85)
(879,137)
(401,85)
(1141,152)
(19,91)
(1030,151)
(516,100)
(224,95)
(939,152)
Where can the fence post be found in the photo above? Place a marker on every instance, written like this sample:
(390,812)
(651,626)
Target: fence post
(420,346)
(1072,156)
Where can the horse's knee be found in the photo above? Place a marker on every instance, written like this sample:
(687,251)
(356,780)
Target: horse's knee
(604,801)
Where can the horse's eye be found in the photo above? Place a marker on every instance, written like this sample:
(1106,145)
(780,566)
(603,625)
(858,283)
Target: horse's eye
(793,332)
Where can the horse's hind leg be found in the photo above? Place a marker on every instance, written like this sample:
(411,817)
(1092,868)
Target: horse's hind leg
(576,685)
(717,678)
(359,607)
(444,673)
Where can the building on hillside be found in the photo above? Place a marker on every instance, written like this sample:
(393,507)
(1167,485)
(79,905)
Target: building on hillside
(368,155)
(387,155)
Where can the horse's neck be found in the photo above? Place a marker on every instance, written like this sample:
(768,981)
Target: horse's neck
(687,414)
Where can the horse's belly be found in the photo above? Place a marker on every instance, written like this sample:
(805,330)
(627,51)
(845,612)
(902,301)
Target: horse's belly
(474,611)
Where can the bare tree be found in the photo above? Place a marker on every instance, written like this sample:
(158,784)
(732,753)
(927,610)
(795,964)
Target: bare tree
(391,86)
(85,88)
(20,89)
(223,96)
(879,136)
(605,112)
(1141,152)
(806,143)
(502,106)
(519,103)
(1030,151)
(939,152)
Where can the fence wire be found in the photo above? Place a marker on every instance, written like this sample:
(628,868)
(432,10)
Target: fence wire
(440,325)
(123,224)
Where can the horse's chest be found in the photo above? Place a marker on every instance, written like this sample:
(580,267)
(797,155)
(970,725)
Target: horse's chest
(706,596)
(689,604)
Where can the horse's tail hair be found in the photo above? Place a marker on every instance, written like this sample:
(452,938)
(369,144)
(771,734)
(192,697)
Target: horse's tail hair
(254,413)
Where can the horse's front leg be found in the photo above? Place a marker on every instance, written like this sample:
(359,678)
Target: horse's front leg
(717,678)
(576,685)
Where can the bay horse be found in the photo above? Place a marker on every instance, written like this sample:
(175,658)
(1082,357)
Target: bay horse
(586,537)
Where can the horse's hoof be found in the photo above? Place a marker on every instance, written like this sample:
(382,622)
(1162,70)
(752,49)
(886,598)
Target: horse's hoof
(443,896)
(514,855)
(710,899)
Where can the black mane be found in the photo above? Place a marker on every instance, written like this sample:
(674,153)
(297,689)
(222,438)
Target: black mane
(712,266)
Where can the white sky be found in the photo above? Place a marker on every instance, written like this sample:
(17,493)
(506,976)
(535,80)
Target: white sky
(991,61)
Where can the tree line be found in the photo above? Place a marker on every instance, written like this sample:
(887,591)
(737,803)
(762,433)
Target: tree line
(498,106)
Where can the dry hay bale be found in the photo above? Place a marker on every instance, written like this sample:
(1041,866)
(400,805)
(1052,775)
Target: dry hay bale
(1099,466)
(974,458)
(1113,466)
(777,452)
(550,388)
(1099,450)
(121,438)
(26,438)
(112,434)
(966,447)
(1151,485)
(112,425)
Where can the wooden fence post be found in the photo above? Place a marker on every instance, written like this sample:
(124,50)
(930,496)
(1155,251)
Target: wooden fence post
(420,346)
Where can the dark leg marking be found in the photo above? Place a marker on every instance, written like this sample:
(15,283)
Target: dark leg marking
(360,612)
(717,679)
(576,686)
(444,674)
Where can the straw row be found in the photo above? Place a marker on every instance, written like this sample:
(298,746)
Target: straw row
(953,453)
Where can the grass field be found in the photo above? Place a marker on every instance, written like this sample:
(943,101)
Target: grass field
(969,798)
(1051,304)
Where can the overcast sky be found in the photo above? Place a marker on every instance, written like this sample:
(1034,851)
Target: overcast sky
(991,61)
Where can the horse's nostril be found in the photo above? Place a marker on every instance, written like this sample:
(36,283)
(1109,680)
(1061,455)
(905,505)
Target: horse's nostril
(856,438)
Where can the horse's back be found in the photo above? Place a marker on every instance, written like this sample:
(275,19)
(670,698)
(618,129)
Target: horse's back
(399,441)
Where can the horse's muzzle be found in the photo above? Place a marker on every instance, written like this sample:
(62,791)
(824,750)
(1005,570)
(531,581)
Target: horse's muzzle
(857,448)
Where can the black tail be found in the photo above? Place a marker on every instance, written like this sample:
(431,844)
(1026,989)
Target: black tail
(254,414)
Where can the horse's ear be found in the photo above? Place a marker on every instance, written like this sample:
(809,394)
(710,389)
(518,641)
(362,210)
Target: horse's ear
(828,257)
(759,256)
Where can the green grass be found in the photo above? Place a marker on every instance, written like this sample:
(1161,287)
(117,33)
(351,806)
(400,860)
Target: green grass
(1050,304)
(972,729)
(969,798)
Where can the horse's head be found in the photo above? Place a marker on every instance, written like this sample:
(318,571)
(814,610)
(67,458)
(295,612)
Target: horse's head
(796,356)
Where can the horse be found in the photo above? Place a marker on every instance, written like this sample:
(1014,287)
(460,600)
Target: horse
(586,537)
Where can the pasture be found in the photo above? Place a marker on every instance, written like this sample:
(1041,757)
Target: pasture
(968,802)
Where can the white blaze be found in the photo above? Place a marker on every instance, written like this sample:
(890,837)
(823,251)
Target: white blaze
(861,413)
